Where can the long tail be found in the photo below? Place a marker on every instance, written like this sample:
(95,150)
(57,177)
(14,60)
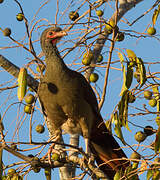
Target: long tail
(106,149)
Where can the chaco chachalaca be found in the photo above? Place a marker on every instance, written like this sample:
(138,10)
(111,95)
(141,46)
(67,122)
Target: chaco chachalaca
(71,105)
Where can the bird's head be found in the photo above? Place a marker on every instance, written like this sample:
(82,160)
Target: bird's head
(51,36)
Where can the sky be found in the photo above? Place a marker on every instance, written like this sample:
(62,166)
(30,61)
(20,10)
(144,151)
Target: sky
(145,47)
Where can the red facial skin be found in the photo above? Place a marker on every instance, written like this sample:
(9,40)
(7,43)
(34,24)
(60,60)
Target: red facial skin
(55,36)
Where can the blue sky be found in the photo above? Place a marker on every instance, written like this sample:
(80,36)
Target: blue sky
(146,48)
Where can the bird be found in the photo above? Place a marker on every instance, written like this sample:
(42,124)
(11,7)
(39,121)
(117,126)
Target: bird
(70,105)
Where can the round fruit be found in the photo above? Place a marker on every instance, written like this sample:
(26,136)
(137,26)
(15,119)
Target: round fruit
(29,98)
(109,26)
(135,155)
(140,136)
(36,169)
(149,130)
(93,77)
(120,36)
(151,31)
(16,177)
(40,129)
(11,172)
(7,32)
(158,120)
(14,146)
(100,58)
(99,13)
(55,156)
(30,155)
(73,15)
(87,58)
(20,17)
(40,68)
(131,98)
(136,74)
(148,95)
(152,102)
(1,1)
(36,158)
(28,108)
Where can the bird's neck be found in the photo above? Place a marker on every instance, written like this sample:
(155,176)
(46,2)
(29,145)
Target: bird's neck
(55,65)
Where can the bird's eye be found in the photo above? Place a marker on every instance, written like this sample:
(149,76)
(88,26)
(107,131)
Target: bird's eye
(50,33)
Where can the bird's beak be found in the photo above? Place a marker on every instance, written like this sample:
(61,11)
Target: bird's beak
(59,34)
(62,33)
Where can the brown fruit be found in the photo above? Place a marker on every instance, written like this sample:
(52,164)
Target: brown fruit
(99,13)
(11,172)
(100,58)
(30,155)
(28,108)
(36,169)
(135,155)
(93,77)
(140,136)
(120,36)
(36,159)
(151,31)
(29,98)
(152,102)
(7,32)
(148,95)
(149,130)
(131,98)
(55,156)
(14,146)
(20,17)
(73,15)
(40,128)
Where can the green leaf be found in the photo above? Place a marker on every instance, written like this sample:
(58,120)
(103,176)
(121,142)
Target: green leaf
(123,110)
(131,55)
(149,174)
(48,173)
(118,175)
(117,127)
(156,175)
(108,125)
(22,83)
(157,97)
(121,57)
(155,90)
(157,141)
(155,16)
(130,173)
(124,88)
(135,165)
(129,76)
(141,69)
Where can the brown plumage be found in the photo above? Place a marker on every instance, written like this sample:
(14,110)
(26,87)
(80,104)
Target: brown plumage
(71,105)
